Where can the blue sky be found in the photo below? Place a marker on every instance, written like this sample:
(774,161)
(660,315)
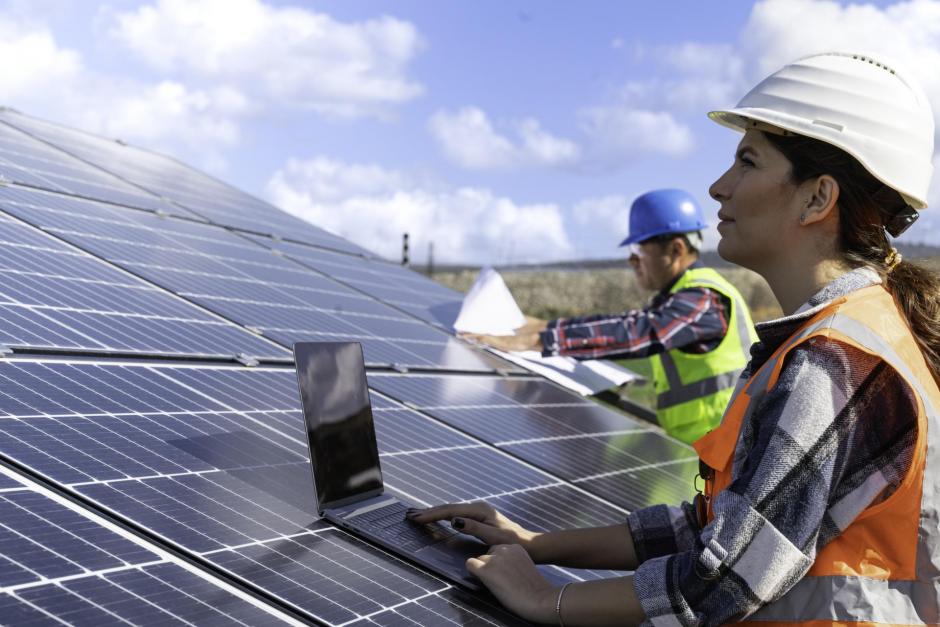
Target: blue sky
(501,131)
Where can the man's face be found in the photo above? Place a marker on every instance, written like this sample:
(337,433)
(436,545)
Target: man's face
(653,264)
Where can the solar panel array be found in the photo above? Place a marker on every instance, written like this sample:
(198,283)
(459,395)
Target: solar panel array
(153,460)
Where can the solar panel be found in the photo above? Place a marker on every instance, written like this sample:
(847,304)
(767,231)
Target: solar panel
(600,450)
(244,282)
(26,160)
(134,283)
(191,192)
(391,283)
(60,564)
(56,296)
(225,478)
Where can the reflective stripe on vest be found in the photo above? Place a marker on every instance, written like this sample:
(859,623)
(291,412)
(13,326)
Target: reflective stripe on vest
(680,392)
(897,540)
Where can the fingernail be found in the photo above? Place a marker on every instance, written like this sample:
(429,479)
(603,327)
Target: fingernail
(457,523)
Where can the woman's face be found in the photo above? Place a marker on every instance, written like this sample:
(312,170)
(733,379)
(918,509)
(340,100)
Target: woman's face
(760,209)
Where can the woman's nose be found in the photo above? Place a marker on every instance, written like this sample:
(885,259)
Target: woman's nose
(717,190)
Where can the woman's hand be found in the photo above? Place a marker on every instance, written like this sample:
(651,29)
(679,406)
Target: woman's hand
(509,573)
(478,519)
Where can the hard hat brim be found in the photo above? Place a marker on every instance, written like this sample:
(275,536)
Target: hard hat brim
(737,119)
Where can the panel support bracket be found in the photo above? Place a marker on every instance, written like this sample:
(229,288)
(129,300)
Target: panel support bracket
(247,360)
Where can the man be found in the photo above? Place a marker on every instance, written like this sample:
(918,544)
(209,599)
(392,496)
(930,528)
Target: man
(697,329)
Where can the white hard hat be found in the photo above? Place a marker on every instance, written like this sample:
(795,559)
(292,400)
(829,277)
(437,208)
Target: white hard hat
(854,102)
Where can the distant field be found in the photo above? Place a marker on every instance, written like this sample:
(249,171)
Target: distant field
(562,293)
(565,293)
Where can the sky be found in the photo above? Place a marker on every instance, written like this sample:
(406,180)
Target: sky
(500,131)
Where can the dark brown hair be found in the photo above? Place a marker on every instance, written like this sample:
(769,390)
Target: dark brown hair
(865,206)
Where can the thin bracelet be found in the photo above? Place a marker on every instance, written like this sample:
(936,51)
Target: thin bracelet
(561,593)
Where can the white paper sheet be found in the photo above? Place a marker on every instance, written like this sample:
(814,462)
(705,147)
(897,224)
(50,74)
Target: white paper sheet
(490,309)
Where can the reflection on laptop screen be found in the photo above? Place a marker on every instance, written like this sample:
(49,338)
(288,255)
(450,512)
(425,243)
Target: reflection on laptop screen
(338,413)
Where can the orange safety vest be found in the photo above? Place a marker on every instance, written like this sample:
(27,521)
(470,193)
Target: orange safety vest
(884,568)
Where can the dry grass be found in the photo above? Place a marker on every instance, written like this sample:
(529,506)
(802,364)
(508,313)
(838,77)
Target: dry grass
(555,294)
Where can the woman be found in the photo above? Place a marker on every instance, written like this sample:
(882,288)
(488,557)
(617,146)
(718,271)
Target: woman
(822,497)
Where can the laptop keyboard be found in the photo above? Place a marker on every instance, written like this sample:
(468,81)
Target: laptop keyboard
(390,523)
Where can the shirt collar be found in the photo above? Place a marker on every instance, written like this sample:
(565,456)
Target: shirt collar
(772,333)
(692,266)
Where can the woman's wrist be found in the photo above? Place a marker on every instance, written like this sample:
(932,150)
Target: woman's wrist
(545,610)
(536,546)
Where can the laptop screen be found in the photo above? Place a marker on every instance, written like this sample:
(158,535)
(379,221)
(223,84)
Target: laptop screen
(338,413)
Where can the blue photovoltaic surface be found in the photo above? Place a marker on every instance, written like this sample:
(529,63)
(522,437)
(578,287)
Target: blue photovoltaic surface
(391,283)
(191,191)
(593,447)
(58,566)
(219,476)
(210,462)
(55,296)
(244,282)
(26,160)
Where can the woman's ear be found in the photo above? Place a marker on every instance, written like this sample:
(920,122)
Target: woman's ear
(822,194)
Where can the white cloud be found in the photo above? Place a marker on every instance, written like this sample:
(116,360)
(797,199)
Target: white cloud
(612,137)
(35,62)
(285,55)
(543,147)
(373,206)
(52,81)
(468,138)
(606,215)
(621,134)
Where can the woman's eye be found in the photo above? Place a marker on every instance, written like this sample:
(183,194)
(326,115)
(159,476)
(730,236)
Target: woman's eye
(747,162)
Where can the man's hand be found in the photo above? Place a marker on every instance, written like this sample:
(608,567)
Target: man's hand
(526,337)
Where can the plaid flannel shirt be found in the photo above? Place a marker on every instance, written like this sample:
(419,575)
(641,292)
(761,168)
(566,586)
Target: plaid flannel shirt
(694,319)
(838,428)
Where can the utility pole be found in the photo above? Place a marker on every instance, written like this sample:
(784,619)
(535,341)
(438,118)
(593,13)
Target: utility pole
(430,259)
(404,249)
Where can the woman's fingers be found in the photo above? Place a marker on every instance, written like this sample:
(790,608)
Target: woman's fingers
(474,564)
(474,511)
(482,531)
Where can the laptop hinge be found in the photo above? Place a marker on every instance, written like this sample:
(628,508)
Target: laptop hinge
(368,508)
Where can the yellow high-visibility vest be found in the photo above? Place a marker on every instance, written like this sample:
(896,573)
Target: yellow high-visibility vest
(693,390)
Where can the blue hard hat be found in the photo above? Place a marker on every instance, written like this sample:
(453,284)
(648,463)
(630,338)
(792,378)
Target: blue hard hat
(663,211)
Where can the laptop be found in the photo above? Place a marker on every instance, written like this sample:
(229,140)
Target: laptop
(346,470)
